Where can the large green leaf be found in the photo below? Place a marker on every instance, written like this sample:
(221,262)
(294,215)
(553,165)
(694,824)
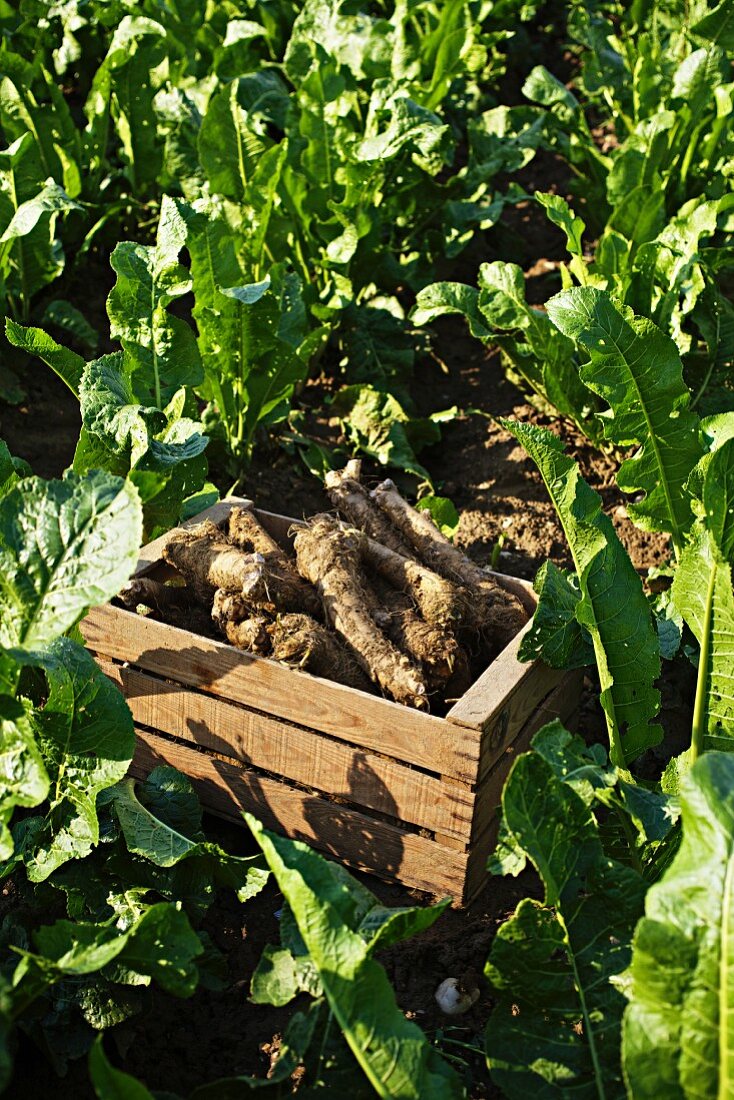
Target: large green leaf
(160,349)
(161,450)
(165,828)
(636,369)
(66,363)
(555,635)
(555,1029)
(160,945)
(86,737)
(717,26)
(613,608)
(231,142)
(126,83)
(51,125)
(702,592)
(29,205)
(541,359)
(678,1035)
(110,1083)
(377,425)
(64,546)
(394,1054)
(24,780)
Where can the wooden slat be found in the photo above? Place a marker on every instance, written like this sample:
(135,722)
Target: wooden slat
(559,704)
(279,526)
(502,700)
(343,833)
(152,553)
(311,759)
(306,700)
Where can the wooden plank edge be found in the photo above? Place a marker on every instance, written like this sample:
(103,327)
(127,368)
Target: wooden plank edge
(560,703)
(219,669)
(301,756)
(360,841)
(489,693)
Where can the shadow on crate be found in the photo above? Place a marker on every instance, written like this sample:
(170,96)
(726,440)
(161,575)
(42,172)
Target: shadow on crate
(226,780)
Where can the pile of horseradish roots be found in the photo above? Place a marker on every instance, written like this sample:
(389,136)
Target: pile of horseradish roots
(378,599)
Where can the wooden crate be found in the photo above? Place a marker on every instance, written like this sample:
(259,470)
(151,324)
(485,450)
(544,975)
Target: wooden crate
(387,789)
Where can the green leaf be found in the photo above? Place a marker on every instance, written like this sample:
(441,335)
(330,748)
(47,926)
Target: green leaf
(377,425)
(556,1025)
(9,475)
(110,1083)
(66,363)
(153,830)
(613,607)
(280,976)
(677,1028)
(160,945)
(65,546)
(86,736)
(560,214)
(24,780)
(51,199)
(111,411)
(636,369)
(161,450)
(395,124)
(393,1053)
(442,511)
(440,299)
(65,316)
(160,349)
(555,635)
(717,26)
(126,82)
(702,592)
(29,204)
(230,139)
(55,136)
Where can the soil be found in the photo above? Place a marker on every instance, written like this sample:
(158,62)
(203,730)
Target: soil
(178,1045)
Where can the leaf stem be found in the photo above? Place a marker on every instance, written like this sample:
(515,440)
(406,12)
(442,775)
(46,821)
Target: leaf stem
(698,730)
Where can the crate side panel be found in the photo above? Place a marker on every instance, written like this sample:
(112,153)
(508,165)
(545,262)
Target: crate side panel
(502,700)
(220,669)
(312,759)
(344,834)
(560,703)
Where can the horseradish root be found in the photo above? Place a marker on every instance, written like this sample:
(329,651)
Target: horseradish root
(357,506)
(299,640)
(498,610)
(245,531)
(433,649)
(286,589)
(207,561)
(329,556)
(439,601)
(387,603)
